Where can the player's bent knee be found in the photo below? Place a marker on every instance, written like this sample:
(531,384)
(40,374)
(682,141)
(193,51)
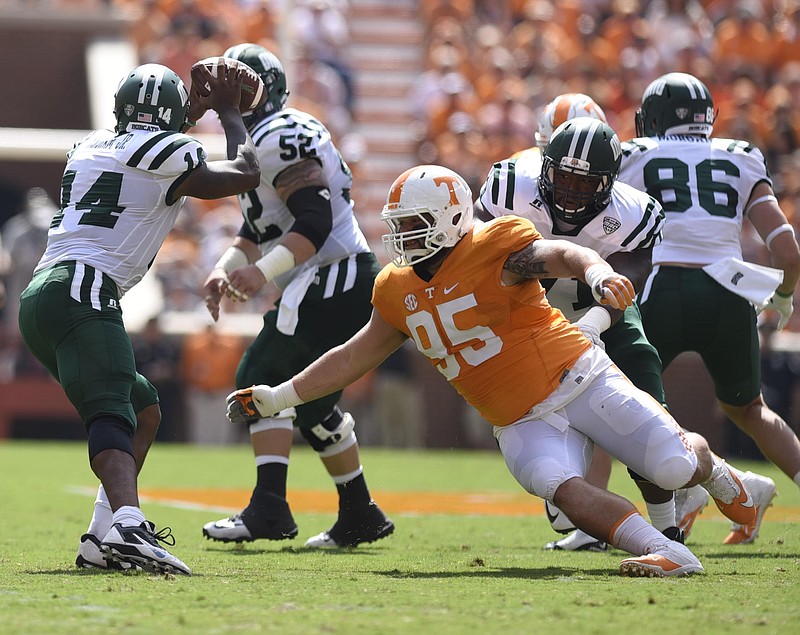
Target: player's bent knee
(544,476)
(109,433)
(334,435)
(674,472)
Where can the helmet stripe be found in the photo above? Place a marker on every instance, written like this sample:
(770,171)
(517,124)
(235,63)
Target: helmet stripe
(152,85)
(562,108)
(585,141)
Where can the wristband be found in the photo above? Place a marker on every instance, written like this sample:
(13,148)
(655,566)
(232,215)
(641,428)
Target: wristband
(191,123)
(234,258)
(596,273)
(276,262)
(780,294)
(276,399)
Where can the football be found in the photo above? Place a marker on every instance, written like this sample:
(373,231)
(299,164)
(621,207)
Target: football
(253,91)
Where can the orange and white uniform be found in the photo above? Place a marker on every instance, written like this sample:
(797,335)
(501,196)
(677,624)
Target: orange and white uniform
(550,393)
(475,330)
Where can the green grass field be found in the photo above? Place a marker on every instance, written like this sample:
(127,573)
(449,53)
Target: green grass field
(439,573)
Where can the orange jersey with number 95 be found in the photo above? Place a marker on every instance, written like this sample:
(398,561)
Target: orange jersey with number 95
(503,348)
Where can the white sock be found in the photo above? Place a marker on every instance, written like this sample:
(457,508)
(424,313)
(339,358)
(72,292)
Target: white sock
(662,515)
(635,535)
(102,517)
(129,516)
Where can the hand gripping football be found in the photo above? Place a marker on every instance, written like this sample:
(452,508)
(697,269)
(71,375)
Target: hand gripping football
(253,91)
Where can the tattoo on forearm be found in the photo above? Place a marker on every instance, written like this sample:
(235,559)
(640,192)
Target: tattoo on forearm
(295,177)
(526,262)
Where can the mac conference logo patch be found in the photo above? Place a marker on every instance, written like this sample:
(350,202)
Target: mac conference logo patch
(610,225)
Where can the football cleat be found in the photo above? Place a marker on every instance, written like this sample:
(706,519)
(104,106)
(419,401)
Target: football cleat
(351,530)
(670,560)
(763,491)
(730,495)
(689,504)
(267,516)
(559,521)
(139,546)
(578,541)
(91,557)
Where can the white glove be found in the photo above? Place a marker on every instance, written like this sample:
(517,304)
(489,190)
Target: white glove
(249,404)
(609,287)
(784,305)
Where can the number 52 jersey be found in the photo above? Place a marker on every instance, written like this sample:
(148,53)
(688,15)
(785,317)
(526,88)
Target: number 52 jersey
(117,201)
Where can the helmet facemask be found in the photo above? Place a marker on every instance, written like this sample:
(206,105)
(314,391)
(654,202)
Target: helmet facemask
(577,195)
(429,208)
(579,168)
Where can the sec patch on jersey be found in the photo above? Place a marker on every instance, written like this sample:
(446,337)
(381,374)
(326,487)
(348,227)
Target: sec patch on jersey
(253,91)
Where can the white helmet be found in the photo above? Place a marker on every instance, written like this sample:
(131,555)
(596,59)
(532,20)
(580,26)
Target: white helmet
(563,108)
(437,197)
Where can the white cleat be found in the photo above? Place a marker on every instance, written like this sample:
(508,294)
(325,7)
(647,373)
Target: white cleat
(559,521)
(671,560)
(689,504)
(138,546)
(763,491)
(90,556)
(578,541)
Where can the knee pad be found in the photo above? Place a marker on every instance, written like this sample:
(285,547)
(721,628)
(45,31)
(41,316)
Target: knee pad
(334,435)
(674,472)
(109,433)
(543,477)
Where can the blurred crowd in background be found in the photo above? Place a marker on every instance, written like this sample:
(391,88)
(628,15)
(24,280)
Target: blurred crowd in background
(488,68)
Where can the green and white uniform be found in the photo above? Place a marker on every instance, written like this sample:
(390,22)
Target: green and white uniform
(326,299)
(631,221)
(117,207)
(704,186)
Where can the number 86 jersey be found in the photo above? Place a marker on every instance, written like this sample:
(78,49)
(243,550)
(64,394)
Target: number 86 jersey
(503,348)
(703,185)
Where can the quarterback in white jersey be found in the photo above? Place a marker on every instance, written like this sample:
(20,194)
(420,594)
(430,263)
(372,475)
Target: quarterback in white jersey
(700,296)
(121,192)
(299,232)
(120,201)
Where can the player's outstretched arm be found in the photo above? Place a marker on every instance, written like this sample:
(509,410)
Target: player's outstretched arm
(335,370)
(562,259)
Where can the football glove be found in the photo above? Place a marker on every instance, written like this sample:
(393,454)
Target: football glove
(256,402)
(609,287)
(782,304)
(241,407)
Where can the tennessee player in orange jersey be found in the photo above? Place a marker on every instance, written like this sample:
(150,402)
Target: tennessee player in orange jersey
(468,294)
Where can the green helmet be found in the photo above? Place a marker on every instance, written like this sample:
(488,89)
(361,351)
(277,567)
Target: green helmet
(151,97)
(270,69)
(674,104)
(579,167)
